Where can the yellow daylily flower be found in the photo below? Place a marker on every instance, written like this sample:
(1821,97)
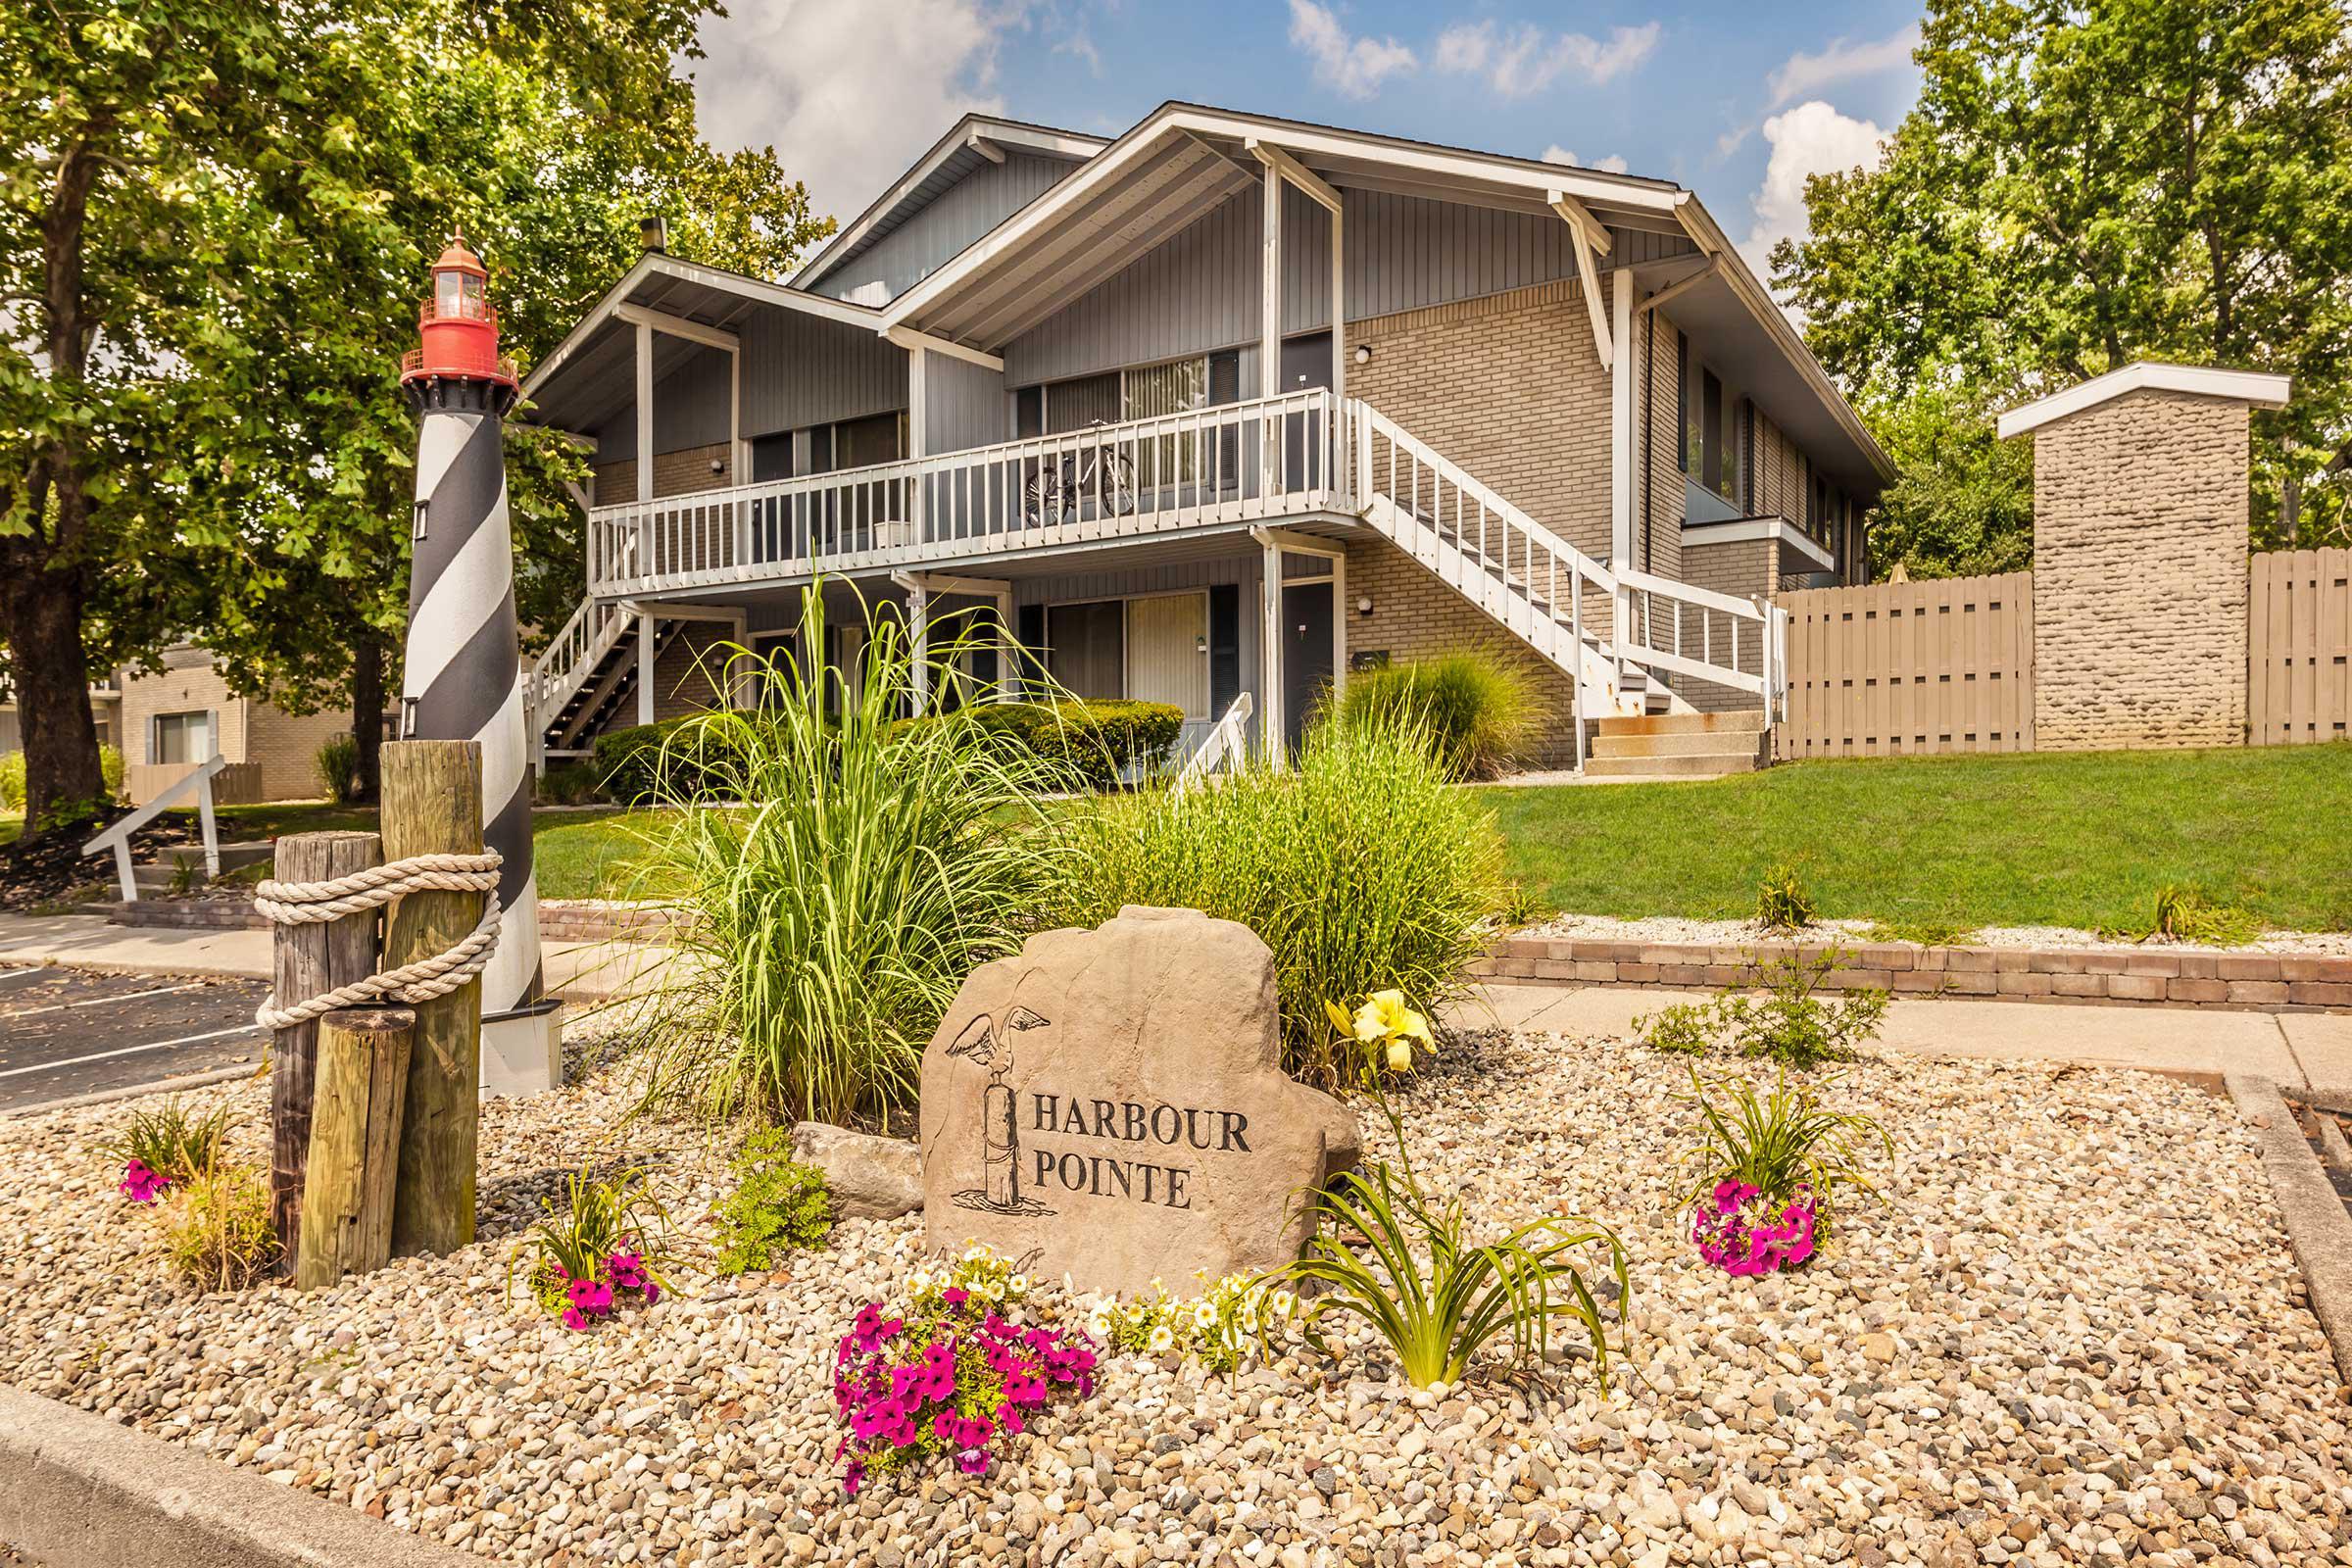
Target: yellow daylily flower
(1400,1056)
(1338,1017)
(1384,1016)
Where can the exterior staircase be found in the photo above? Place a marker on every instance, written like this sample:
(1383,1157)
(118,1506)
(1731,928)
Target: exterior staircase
(587,678)
(1685,745)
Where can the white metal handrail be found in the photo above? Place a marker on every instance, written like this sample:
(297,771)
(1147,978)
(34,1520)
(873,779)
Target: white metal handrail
(1228,740)
(1233,461)
(118,837)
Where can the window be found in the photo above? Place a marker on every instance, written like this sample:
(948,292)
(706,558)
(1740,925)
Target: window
(181,738)
(1710,430)
(1716,439)
(1154,390)
(1683,441)
(1086,646)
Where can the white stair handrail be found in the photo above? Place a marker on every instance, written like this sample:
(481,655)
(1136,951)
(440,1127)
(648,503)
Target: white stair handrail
(572,655)
(118,837)
(1229,738)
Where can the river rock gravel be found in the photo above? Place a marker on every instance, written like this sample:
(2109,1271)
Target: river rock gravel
(2071,1333)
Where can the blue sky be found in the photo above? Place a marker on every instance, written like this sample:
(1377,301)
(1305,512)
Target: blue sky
(1738,102)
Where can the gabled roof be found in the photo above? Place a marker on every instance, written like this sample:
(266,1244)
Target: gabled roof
(970,141)
(2255,387)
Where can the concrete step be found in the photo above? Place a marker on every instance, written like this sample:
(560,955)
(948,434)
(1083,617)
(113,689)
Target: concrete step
(1702,743)
(1739,721)
(1711,765)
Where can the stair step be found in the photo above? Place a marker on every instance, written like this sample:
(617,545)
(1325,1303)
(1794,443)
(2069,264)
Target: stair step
(1739,721)
(1710,765)
(1702,743)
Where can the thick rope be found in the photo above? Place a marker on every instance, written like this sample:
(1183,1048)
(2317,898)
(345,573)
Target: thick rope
(307,902)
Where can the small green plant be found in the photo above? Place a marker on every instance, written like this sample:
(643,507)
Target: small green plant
(1436,1316)
(1926,933)
(1783,902)
(12,782)
(609,1234)
(1778,1140)
(173,1141)
(1687,1027)
(2184,915)
(217,1230)
(568,784)
(1522,906)
(1218,1331)
(110,770)
(338,765)
(1478,710)
(187,874)
(1788,1023)
(779,1206)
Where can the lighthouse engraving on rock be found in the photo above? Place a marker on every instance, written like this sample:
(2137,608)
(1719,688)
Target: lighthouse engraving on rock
(462,674)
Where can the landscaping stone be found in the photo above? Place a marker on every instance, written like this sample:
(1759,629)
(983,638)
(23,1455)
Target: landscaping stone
(2105,1355)
(871,1177)
(1111,1103)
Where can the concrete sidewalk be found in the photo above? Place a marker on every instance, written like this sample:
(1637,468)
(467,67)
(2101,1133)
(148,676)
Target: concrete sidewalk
(2297,1049)
(578,971)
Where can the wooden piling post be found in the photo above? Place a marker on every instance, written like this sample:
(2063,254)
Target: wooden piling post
(432,794)
(310,960)
(362,1076)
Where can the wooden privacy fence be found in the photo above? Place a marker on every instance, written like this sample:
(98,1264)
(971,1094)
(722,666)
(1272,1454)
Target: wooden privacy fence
(2298,639)
(1910,668)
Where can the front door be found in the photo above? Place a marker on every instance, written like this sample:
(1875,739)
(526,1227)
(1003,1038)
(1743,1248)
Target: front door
(1306,669)
(1167,652)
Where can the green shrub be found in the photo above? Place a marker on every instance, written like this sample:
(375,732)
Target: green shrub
(568,784)
(217,1230)
(1479,710)
(171,1141)
(1687,1027)
(1788,1023)
(1782,903)
(339,769)
(12,782)
(1780,1141)
(1436,1316)
(835,918)
(1098,738)
(1362,871)
(1926,933)
(110,770)
(668,762)
(778,1205)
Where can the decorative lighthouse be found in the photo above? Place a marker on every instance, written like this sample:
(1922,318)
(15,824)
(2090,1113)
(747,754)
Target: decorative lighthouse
(463,676)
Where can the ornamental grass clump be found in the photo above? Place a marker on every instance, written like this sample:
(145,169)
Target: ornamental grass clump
(1374,1227)
(217,1230)
(1361,869)
(951,1373)
(1770,1169)
(1784,903)
(1477,711)
(603,1247)
(168,1146)
(872,866)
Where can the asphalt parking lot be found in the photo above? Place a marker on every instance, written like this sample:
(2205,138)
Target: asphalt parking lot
(66,1032)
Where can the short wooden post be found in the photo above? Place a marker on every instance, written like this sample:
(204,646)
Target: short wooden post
(310,961)
(432,794)
(362,1076)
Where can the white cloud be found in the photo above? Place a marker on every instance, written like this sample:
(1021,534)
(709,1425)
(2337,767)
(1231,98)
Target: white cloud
(1354,67)
(1812,138)
(848,92)
(1520,61)
(1557,154)
(1802,75)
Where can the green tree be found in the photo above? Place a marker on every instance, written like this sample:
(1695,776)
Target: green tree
(2078,187)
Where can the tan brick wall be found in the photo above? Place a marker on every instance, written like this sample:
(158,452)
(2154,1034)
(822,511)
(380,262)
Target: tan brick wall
(1665,476)
(1509,387)
(187,684)
(287,746)
(1415,615)
(2139,574)
(676,474)
(1740,566)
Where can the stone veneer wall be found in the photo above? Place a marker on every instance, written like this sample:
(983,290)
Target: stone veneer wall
(2139,574)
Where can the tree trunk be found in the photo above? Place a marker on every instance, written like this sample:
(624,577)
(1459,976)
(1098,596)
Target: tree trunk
(40,615)
(367,708)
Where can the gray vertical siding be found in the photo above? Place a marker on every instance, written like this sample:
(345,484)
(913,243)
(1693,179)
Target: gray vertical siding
(690,409)
(799,369)
(975,204)
(1199,289)
(966,404)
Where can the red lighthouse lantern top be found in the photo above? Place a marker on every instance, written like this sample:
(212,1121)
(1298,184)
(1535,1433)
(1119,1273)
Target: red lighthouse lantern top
(458,325)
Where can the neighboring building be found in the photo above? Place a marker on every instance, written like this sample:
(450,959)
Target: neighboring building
(106,712)
(173,720)
(1091,389)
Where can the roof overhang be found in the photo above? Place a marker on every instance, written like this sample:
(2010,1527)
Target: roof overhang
(2255,388)
(972,139)
(591,374)
(1184,160)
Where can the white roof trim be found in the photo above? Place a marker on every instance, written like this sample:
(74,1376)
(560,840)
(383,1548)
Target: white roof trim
(965,133)
(1539,179)
(615,299)
(2255,387)
(1734,530)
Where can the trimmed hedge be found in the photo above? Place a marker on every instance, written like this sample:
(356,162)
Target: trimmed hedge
(628,763)
(1098,738)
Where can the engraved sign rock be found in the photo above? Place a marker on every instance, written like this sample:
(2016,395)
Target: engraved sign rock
(1113,1100)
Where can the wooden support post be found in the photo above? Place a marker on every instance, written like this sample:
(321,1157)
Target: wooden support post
(310,960)
(355,1144)
(432,792)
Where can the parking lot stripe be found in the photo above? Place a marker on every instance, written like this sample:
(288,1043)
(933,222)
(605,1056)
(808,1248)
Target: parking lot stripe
(131,1051)
(14,975)
(100,1001)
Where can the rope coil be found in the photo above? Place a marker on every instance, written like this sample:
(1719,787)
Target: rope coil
(310,903)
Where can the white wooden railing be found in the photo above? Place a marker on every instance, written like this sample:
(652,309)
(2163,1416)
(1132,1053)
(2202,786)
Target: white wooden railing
(1715,637)
(571,656)
(1237,461)
(118,837)
(1228,742)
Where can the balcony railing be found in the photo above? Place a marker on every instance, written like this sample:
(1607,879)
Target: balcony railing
(1239,461)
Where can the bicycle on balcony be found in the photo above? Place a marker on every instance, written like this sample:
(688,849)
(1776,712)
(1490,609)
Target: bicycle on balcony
(1062,485)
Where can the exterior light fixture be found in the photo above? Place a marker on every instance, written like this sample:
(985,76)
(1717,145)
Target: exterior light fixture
(1363,354)
(719,465)
(1364,604)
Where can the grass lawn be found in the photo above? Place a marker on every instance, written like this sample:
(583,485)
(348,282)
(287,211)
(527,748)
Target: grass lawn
(2077,839)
